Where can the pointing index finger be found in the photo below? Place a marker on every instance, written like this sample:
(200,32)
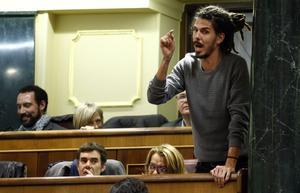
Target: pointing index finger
(170,34)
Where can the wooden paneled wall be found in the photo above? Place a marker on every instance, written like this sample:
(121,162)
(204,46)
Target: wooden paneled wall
(39,148)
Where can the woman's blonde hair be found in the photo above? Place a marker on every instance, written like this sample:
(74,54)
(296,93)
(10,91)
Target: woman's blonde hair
(174,159)
(84,113)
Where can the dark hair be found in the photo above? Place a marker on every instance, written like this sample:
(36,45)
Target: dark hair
(91,146)
(39,94)
(223,22)
(129,185)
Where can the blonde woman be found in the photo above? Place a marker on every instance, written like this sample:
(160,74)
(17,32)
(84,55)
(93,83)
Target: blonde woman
(164,159)
(88,116)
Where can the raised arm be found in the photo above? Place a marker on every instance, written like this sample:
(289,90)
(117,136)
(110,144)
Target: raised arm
(167,46)
(163,87)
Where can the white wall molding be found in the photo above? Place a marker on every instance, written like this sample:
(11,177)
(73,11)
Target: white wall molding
(101,69)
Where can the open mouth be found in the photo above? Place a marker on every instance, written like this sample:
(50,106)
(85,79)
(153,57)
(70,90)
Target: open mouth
(198,45)
(186,108)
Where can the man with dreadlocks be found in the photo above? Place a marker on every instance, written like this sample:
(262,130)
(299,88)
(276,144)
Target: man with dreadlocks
(218,92)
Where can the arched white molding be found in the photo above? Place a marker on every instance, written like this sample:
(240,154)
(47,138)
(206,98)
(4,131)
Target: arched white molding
(112,61)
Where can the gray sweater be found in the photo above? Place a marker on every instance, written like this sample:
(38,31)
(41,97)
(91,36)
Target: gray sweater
(218,100)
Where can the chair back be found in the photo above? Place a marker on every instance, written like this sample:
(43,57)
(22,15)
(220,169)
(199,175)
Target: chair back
(12,169)
(155,120)
(114,167)
(65,121)
(190,165)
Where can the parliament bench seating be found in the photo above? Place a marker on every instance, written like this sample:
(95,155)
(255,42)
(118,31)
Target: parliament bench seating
(129,121)
(39,148)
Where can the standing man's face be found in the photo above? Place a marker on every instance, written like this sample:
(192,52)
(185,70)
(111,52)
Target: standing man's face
(89,164)
(205,39)
(29,111)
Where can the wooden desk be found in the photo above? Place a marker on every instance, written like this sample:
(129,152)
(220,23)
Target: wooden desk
(176,183)
(38,148)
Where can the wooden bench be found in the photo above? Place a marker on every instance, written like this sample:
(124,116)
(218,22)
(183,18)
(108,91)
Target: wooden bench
(39,148)
(178,183)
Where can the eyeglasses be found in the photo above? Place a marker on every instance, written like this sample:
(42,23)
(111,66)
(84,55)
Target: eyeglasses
(159,169)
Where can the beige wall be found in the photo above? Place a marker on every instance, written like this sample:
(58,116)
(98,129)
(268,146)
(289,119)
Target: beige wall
(167,23)
(102,57)
(78,57)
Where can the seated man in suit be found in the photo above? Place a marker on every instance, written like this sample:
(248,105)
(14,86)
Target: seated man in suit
(184,119)
(91,161)
(32,102)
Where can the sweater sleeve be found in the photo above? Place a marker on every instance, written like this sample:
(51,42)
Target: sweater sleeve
(160,91)
(239,104)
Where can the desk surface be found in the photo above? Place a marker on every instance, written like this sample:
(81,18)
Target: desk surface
(110,138)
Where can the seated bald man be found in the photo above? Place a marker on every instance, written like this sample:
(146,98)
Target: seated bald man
(184,119)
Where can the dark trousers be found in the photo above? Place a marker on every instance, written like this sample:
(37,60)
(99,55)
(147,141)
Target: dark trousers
(205,167)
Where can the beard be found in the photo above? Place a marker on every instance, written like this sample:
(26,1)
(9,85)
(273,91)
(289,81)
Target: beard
(208,49)
(202,56)
(30,119)
(206,53)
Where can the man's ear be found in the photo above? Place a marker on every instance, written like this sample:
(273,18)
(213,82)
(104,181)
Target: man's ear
(220,38)
(103,167)
(42,106)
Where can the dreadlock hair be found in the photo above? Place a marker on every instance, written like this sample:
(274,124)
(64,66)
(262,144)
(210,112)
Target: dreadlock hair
(224,22)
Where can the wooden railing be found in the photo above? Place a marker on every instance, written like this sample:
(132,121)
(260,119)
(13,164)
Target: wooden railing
(39,148)
(178,183)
